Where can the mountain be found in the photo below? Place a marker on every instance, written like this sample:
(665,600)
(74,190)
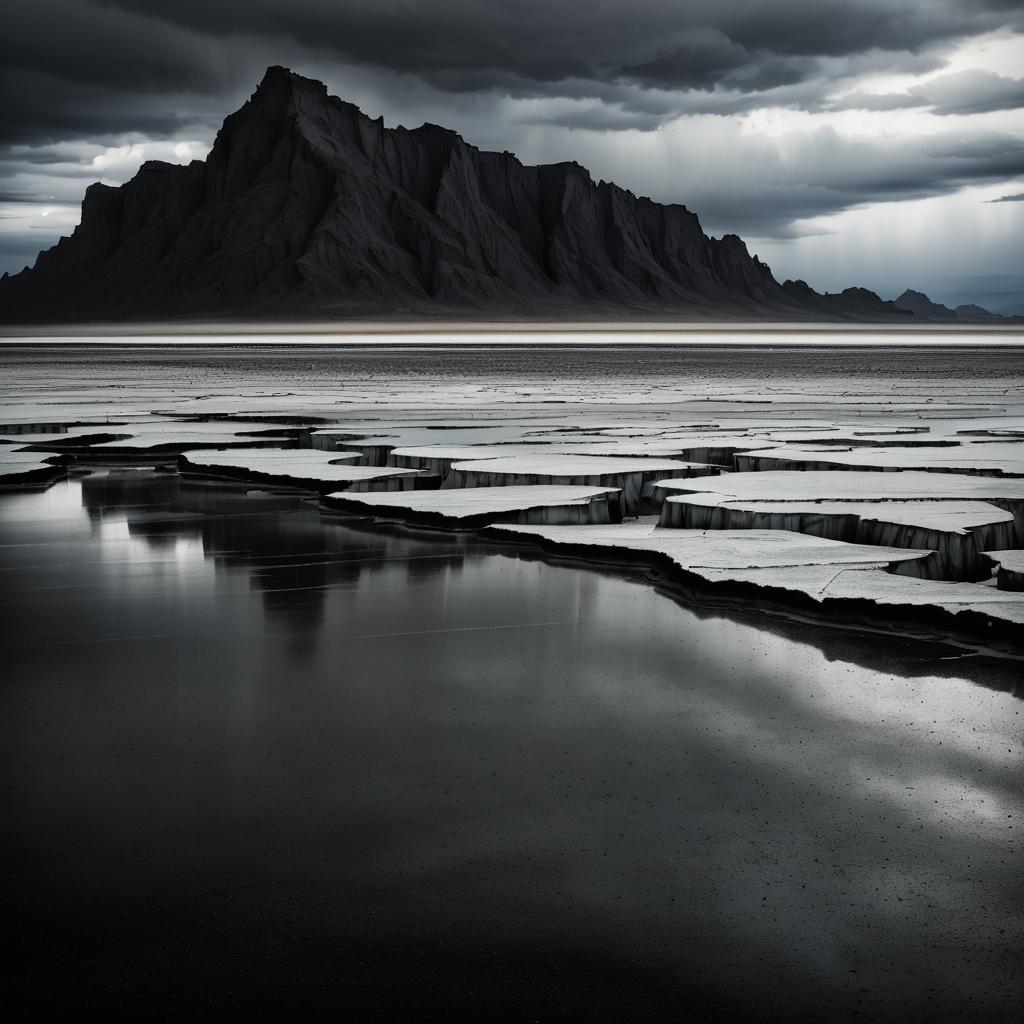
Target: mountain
(307,207)
(1002,294)
(972,311)
(919,304)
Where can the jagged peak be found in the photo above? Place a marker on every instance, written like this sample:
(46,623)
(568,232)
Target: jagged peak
(572,165)
(856,292)
(283,91)
(277,78)
(798,286)
(275,73)
(429,128)
(158,167)
(568,169)
(732,243)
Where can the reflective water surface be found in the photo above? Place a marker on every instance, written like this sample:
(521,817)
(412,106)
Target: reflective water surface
(253,760)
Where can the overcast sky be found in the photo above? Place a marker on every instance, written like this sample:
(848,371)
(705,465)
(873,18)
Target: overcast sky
(871,142)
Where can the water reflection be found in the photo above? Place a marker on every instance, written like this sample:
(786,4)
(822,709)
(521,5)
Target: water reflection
(290,555)
(282,762)
(273,539)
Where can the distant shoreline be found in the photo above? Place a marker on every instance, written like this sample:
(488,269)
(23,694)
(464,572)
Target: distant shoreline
(377,332)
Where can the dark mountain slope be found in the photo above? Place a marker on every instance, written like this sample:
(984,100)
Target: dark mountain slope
(306,207)
(919,304)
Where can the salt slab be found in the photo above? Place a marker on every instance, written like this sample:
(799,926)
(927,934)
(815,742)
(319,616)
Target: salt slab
(1010,568)
(468,507)
(298,467)
(956,531)
(829,574)
(853,485)
(996,458)
(628,475)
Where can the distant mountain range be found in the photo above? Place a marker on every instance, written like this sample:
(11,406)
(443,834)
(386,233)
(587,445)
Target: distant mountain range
(306,207)
(919,304)
(1003,294)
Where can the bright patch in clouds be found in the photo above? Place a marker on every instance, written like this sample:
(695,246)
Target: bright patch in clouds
(118,163)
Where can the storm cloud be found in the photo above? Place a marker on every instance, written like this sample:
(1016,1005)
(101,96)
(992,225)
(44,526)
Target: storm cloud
(102,66)
(735,108)
(964,92)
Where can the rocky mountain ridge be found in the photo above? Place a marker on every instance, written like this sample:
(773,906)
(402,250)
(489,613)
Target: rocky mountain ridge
(306,207)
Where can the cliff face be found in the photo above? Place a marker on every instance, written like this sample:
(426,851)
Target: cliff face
(306,207)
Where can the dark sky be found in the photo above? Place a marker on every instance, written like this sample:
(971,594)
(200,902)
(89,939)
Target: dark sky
(850,141)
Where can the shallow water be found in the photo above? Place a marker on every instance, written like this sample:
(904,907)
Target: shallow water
(256,760)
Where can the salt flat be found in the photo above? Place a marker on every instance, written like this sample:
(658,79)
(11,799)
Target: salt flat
(438,458)
(853,485)
(938,511)
(176,437)
(997,458)
(724,549)
(303,468)
(628,475)
(857,449)
(955,531)
(829,573)
(482,505)
(948,516)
